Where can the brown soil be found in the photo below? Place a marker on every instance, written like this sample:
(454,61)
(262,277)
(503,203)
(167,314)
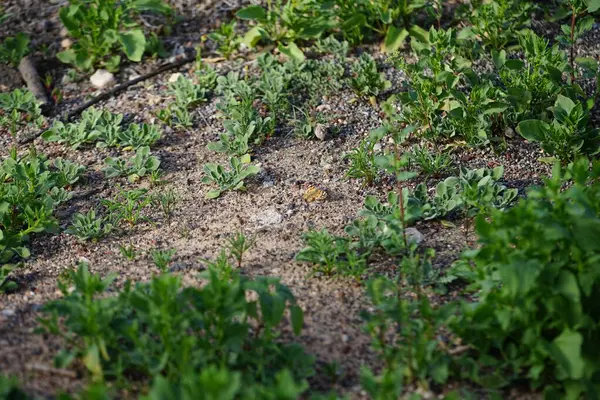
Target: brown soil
(199,227)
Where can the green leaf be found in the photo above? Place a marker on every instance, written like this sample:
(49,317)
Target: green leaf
(297,319)
(252,37)
(67,56)
(419,33)
(515,65)
(533,129)
(252,13)
(394,39)
(567,353)
(292,51)
(157,6)
(593,5)
(355,21)
(134,44)
(213,194)
(565,103)
(499,58)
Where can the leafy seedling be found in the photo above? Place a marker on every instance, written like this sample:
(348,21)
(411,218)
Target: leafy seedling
(227,180)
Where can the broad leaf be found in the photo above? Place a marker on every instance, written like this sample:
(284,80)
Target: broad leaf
(134,44)
(394,39)
(254,12)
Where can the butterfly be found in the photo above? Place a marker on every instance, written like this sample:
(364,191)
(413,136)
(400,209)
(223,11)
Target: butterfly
(314,193)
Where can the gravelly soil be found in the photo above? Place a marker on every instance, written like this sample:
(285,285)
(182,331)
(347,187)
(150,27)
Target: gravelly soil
(200,227)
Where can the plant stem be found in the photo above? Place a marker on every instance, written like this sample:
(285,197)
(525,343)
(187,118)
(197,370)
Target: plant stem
(572,58)
(401,195)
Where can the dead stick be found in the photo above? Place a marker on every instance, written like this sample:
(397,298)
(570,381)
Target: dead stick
(108,94)
(52,371)
(34,83)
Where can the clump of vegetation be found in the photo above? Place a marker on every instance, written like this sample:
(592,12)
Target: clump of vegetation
(182,333)
(31,188)
(19,109)
(227,180)
(104,28)
(13,49)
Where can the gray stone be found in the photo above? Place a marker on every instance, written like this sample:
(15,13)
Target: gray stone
(102,78)
(267,217)
(413,235)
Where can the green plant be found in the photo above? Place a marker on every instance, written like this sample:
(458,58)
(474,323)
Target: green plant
(173,336)
(497,24)
(577,27)
(531,85)
(366,80)
(284,22)
(471,193)
(88,226)
(128,252)
(7,286)
(9,388)
(95,126)
(19,109)
(239,244)
(30,191)
(127,206)
(404,333)
(136,167)
(162,258)
(236,138)
(362,161)
(331,255)
(569,135)
(309,125)
(13,49)
(227,180)
(537,278)
(226,39)
(187,93)
(431,164)
(166,202)
(102,28)
(392,20)
(69,172)
(139,135)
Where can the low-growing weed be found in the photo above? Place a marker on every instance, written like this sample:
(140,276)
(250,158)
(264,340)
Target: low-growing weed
(134,168)
(569,135)
(138,136)
(162,258)
(226,39)
(405,334)
(331,255)
(166,335)
(30,191)
(187,94)
(362,162)
(19,109)
(89,227)
(238,245)
(497,24)
(227,180)
(431,164)
(536,275)
(283,23)
(471,193)
(13,49)
(102,28)
(366,79)
(128,252)
(69,172)
(166,202)
(128,206)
